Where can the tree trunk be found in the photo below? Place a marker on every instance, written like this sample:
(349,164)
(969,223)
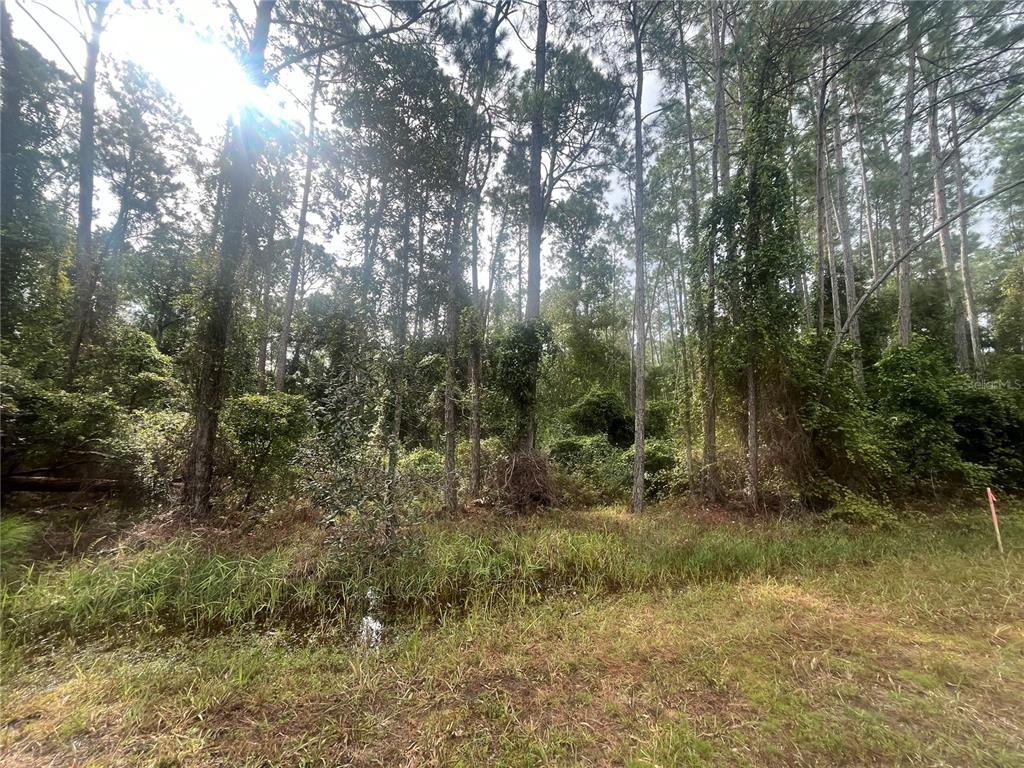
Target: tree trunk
(535,221)
(451,485)
(475,358)
(84,267)
(872,238)
(821,185)
(843,222)
(833,272)
(11,148)
(211,381)
(711,483)
(906,192)
(398,384)
(954,293)
(264,323)
(965,263)
(536,206)
(720,154)
(300,237)
(636,499)
(753,481)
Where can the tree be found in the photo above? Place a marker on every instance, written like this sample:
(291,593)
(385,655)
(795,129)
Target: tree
(210,383)
(85,268)
(300,232)
(638,17)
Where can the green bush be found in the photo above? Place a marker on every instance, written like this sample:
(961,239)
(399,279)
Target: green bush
(602,412)
(660,467)
(516,358)
(264,433)
(917,396)
(131,368)
(45,428)
(658,419)
(989,427)
(160,439)
(860,510)
(594,464)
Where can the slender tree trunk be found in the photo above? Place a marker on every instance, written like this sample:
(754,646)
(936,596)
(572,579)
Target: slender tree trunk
(451,486)
(211,381)
(636,499)
(11,148)
(720,159)
(268,272)
(535,221)
(954,292)
(711,483)
(300,237)
(85,269)
(821,185)
(475,358)
(536,204)
(906,192)
(398,384)
(833,272)
(868,215)
(965,262)
(694,228)
(843,222)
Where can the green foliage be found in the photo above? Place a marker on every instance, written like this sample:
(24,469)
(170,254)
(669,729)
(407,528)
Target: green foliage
(131,368)
(45,427)
(596,466)
(860,510)
(660,467)
(989,427)
(658,418)
(265,433)
(421,479)
(517,355)
(915,395)
(602,412)
(17,533)
(160,439)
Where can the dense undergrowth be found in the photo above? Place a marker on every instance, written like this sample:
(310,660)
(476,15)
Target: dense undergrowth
(188,584)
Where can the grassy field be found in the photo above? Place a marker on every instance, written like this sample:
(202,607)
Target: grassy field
(584,638)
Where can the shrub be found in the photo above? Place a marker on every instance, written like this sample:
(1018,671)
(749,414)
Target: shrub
(131,368)
(517,355)
(658,419)
(44,428)
(602,412)
(594,464)
(989,427)
(421,480)
(160,438)
(660,467)
(264,433)
(860,510)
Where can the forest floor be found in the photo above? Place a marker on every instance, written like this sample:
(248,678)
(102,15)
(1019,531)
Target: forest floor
(912,657)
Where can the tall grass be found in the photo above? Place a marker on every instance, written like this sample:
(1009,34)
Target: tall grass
(16,534)
(184,586)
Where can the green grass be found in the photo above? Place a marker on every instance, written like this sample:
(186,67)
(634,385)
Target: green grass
(16,535)
(184,585)
(648,643)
